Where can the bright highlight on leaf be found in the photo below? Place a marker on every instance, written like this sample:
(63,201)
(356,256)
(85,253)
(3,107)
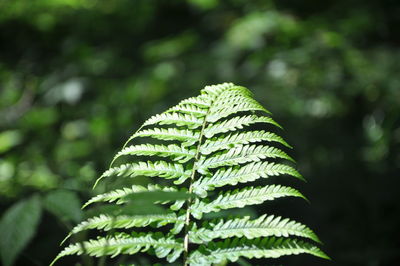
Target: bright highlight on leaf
(196,153)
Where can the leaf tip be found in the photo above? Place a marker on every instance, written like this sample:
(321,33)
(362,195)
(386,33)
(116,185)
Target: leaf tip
(65,239)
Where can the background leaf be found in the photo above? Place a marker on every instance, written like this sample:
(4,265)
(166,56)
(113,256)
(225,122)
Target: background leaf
(17,227)
(9,139)
(64,204)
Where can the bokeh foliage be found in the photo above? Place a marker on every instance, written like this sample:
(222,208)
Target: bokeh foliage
(77,77)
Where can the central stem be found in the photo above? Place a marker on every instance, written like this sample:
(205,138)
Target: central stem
(189,202)
(192,178)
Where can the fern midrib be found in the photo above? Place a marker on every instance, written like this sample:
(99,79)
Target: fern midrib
(192,177)
(189,201)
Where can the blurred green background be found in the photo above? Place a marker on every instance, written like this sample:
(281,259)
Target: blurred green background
(77,77)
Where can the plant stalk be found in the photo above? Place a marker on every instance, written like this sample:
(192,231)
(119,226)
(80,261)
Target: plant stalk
(189,201)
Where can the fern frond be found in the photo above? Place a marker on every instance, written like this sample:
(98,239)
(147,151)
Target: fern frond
(188,109)
(186,136)
(157,169)
(247,173)
(206,142)
(232,140)
(216,90)
(126,244)
(119,195)
(232,249)
(244,197)
(264,226)
(177,153)
(201,101)
(233,97)
(237,122)
(227,92)
(239,155)
(239,107)
(178,119)
(109,222)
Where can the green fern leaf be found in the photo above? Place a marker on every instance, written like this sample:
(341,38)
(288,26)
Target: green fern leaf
(186,136)
(107,222)
(188,109)
(174,151)
(234,175)
(126,244)
(119,195)
(216,90)
(232,140)
(237,122)
(156,169)
(240,107)
(263,226)
(239,155)
(175,118)
(232,249)
(241,198)
(201,101)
